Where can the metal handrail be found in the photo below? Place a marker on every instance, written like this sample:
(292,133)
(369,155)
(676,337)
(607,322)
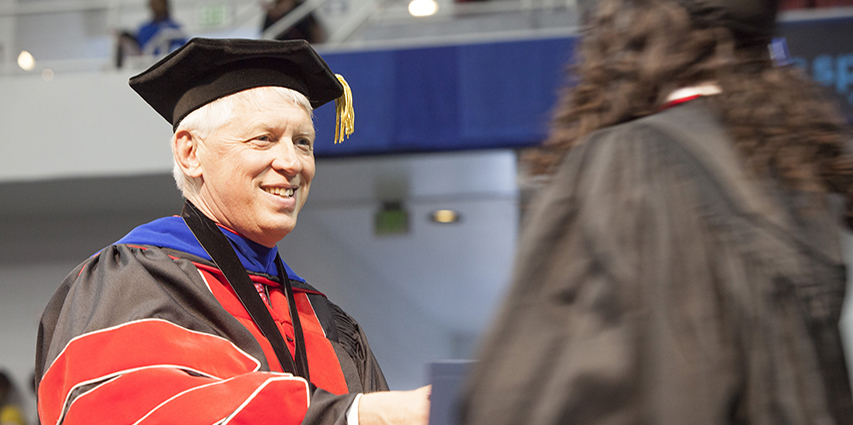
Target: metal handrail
(292,18)
(343,35)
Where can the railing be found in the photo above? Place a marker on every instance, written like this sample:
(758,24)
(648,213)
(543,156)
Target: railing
(80,35)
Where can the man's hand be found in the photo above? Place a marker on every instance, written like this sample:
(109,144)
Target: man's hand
(395,407)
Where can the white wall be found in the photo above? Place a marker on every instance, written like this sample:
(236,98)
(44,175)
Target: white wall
(75,125)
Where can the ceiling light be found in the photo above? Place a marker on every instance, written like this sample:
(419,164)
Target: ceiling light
(47,74)
(445,216)
(26,61)
(423,7)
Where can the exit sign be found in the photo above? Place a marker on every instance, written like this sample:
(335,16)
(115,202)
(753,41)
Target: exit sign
(213,16)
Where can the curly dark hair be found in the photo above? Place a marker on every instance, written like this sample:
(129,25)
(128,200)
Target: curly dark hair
(635,52)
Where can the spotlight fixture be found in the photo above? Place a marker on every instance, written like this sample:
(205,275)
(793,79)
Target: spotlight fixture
(423,7)
(26,61)
(445,216)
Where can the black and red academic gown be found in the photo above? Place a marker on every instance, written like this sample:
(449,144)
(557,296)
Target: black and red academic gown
(149,331)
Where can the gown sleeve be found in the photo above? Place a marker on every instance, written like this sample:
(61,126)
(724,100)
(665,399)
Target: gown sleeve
(628,307)
(354,342)
(358,364)
(133,336)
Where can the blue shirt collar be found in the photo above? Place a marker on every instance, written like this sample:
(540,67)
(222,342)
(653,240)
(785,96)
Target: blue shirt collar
(173,233)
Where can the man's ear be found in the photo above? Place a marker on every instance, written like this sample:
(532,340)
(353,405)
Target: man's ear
(185,148)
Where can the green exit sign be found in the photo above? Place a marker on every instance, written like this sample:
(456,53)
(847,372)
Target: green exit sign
(213,16)
(392,219)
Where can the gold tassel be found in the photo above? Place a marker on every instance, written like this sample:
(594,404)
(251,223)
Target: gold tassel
(345,120)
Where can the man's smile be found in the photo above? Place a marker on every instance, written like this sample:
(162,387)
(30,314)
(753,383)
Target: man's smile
(279,191)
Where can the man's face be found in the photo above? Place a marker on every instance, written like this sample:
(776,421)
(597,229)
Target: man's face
(257,169)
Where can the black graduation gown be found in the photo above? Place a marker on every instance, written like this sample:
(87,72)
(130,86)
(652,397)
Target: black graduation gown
(656,282)
(135,333)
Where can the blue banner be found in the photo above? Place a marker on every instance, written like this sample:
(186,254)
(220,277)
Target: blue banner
(495,95)
(501,94)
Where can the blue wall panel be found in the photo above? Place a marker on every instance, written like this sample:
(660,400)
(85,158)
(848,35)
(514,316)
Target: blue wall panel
(500,94)
(447,98)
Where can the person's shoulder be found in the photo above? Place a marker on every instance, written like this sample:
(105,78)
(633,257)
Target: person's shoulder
(145,32)
(689,131)
(118,258)
(624,144)
(152,245)
(628,161)
(648,128)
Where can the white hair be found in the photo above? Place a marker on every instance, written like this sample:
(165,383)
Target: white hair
(204,121)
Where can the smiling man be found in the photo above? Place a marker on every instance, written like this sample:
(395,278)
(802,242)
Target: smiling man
(194,318)
(256,183)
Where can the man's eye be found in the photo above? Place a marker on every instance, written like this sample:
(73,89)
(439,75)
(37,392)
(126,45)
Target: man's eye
(265,138)
(303,142)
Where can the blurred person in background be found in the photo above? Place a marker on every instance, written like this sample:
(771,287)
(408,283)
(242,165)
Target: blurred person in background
(195,319)
(161,34)
(10,410)
(156,37)
(682,263)
(307,28)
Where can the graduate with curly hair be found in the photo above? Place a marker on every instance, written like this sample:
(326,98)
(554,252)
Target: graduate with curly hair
(682,265)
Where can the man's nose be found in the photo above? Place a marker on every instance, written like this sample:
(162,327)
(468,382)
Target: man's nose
(286,158)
